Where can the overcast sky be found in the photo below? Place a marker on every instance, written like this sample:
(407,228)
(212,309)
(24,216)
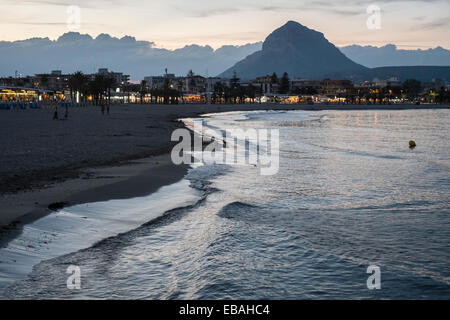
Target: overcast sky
(175,23)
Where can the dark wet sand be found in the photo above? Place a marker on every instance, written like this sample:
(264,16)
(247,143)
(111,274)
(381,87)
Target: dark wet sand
(135,179)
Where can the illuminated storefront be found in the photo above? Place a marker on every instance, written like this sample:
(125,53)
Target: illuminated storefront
(18,94)
(194,98)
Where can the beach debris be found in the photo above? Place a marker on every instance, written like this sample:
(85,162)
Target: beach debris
(412,144)
(57,206)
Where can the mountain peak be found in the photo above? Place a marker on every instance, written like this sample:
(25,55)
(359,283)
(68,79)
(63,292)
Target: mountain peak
(293,25)
(298,50)
(292,34)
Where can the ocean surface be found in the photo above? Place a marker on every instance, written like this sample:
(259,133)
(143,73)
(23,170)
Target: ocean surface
(349,194)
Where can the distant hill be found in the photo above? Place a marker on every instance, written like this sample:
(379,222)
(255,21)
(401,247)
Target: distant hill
(390,55)
(301,52)
(305,53)
(74,51)
(421,73)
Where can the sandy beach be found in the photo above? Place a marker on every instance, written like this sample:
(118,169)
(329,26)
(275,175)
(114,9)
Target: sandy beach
(93,157)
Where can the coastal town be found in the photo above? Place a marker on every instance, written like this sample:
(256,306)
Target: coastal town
(109,87)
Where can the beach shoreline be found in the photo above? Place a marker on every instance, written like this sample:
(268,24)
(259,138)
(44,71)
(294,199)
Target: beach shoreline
(119,174)
(137,178)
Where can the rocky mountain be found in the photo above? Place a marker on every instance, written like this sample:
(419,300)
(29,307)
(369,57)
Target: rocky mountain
(305,53)
(300,51)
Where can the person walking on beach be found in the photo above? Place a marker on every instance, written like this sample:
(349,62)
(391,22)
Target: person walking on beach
(55,115)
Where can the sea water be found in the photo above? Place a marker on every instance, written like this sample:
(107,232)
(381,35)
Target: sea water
(349,194)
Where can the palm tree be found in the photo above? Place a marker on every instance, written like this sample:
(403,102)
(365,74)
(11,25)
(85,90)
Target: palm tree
(109,82)
(191,76)
(126,89)
(274,78)
(284,84)
(251,92)
(97,88)
(143,90)
(219,90)
(412,88)
(235,87)
(77,83)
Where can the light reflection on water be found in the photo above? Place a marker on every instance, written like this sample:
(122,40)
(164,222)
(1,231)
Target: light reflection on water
(350,193)
(81,226)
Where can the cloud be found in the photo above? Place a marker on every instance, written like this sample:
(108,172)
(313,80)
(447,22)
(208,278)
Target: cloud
(436,24)
(188,20)
(64,3)
(214,12)
(43,23)
(287,6)
(75,51)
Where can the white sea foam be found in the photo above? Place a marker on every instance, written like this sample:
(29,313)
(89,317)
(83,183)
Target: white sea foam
(78,227)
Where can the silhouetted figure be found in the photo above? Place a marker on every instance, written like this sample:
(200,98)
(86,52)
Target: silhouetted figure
(55,115)
(66,114)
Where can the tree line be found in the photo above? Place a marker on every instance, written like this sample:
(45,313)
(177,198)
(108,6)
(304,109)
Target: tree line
(100,86)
